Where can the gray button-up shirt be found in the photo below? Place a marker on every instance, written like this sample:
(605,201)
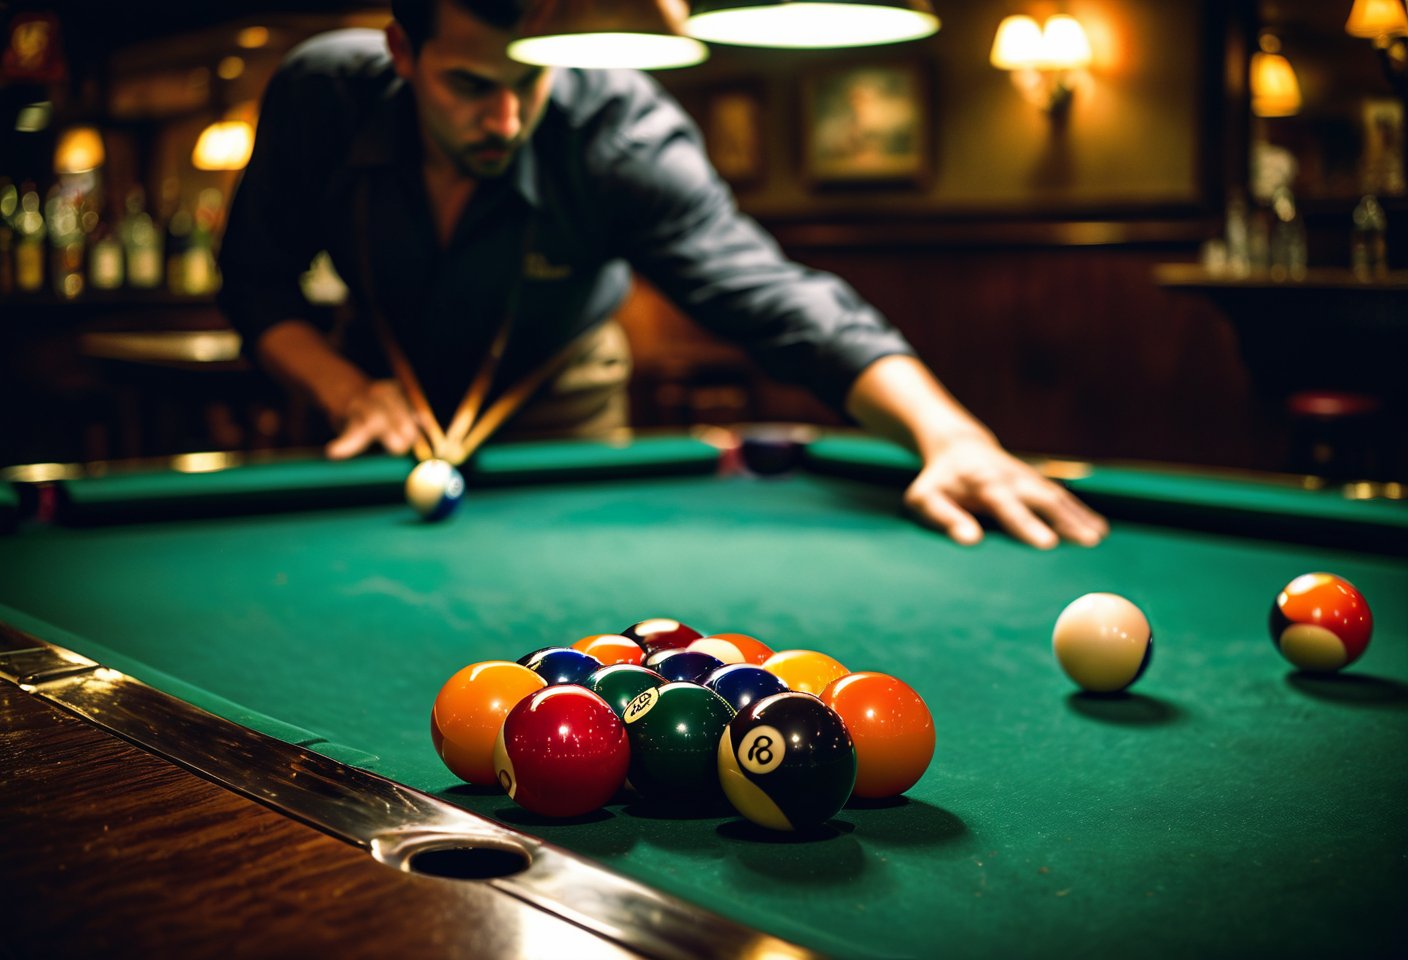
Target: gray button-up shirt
(615,177)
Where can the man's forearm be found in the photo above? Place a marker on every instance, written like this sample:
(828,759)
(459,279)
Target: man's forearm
(898,398)
(297,353)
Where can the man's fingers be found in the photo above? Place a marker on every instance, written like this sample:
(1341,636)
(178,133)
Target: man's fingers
(353,440)
(939,511)
(1019,520)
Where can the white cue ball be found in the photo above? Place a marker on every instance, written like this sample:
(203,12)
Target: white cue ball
(1103,642)
(434,488)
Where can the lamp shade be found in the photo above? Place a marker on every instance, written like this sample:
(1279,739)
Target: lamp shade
(224,146)
(1018,44)
(644,34)
(79,150)
(1064,45)
(811,24)
(1275,90)
(1377,18)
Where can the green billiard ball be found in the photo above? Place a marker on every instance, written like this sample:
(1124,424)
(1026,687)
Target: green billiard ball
(621,683)
(674,732)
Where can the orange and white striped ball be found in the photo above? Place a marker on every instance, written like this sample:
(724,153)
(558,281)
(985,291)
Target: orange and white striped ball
(1321,623)
(1103,642)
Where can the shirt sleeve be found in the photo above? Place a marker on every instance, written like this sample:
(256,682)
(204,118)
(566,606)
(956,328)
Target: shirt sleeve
(270,235)
(678,225)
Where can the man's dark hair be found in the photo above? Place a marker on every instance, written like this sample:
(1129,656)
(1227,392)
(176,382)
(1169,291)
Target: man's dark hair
(417,17)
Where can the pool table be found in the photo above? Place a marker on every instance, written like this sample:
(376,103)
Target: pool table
(218,681)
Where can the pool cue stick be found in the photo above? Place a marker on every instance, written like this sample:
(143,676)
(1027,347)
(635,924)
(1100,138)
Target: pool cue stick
(430,441)
(517,395)
(468,410)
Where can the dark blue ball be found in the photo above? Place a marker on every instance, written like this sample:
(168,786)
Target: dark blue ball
(743,683)
(687,665)
(561,664)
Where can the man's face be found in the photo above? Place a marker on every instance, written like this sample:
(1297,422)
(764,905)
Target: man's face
(476,106)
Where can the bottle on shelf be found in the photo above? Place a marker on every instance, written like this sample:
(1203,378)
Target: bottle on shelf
(202,276)
(1288,242)
(178,238)
(66,243)
(105,267)
(141,243)
(29,242)
(1368,251)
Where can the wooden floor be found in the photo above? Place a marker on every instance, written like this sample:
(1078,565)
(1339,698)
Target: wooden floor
(110,851)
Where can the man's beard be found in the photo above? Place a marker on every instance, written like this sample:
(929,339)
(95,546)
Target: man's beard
(488,158)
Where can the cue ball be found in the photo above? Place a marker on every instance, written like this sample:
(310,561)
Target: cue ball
(1103,642)
(1320,622)
(434,489)
(562,752)
(470,708)
(787,762)
(892,729)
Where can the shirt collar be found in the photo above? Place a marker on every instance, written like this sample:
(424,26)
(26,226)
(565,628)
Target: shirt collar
(390,136)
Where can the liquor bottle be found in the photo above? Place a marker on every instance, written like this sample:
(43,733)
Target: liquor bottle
(105,258)
(141,243)
(29,242)
(202,277)
(178,236)
(1368,251)
(66,243)
(1288,242)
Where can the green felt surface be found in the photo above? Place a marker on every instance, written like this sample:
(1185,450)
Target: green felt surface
(1228,807)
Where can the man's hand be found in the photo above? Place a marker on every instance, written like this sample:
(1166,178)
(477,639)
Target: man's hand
(966,471)
(975,476)
(379,413)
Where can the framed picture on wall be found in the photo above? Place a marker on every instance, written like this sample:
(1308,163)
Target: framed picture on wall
(733,133)
(866,123)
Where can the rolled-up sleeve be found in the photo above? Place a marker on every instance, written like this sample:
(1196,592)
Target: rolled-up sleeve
(678,225)
(271,235)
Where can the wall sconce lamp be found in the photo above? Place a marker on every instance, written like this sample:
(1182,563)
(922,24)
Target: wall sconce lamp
(1386,23)
(1045,61)
(79,150)
(644,34)
(224,145)
(1275,89)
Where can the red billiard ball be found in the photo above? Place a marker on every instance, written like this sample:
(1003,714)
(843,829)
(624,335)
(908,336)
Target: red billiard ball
(661,633)
(892,729)
(787,762)
(1320,622)
(470,708)
(562,752)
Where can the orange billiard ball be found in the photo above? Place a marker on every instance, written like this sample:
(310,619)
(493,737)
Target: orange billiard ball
(470,708)
(892,728)
(1320,622)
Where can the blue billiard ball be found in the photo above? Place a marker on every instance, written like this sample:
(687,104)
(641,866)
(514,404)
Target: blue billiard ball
(744,683)
(434,489)
(561,665)
(687,665)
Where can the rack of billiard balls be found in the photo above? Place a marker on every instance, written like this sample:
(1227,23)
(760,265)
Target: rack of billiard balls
(680,718)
